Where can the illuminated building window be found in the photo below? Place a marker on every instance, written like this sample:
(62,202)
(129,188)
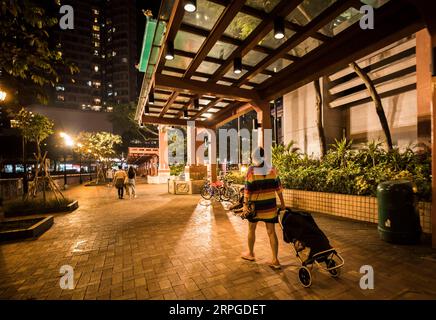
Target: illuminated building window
(60,97)
(96,84)
(124,60)
(96,68)
(97,101)
(95,52)
(96,44)
(114,53)
(95,11)
(95,28)
(60,88)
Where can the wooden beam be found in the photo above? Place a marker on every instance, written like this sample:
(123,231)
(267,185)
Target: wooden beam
(233,41)
(215,34)
(173,27)
(216,61)
(171,121)
(205,75)
(281,10)
(262,15)
(317,23)
(230,113)
(169,103)
(396,20)
(199,87)
(209,106)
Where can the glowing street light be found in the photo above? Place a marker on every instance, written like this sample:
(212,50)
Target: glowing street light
(3,95)
(69,142)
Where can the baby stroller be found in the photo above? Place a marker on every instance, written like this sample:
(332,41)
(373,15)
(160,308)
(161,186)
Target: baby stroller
(300,229)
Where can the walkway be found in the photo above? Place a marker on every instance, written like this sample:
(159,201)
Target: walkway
(161,246)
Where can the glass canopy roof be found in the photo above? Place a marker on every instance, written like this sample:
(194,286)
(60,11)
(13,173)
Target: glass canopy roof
(207,41)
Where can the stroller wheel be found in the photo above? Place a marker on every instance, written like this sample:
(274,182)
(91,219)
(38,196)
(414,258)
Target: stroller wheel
(305,277)
(330,263)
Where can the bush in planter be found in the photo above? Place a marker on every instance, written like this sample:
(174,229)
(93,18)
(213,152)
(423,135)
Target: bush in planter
(356,172)
(177,169)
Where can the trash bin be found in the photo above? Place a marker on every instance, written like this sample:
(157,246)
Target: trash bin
(398,216)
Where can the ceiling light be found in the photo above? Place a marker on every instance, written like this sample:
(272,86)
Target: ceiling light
(146,109)
(196,103)
(237,65)
(279,28)
(190,5)
(169,55)
(185,113)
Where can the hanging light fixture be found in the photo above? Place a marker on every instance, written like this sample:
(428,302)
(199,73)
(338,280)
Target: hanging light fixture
(146,109)
(196,103)
(185,113)
(190,5)
(151,96)
(169,54)
(255,124)
(237,65)
(279,28)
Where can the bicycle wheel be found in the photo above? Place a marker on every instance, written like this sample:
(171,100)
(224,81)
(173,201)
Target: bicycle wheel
(234,195)
(206,193)
(216,192)
(225,194)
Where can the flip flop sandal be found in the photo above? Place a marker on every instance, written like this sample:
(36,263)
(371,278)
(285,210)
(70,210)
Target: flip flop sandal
(275,266)
(248,258)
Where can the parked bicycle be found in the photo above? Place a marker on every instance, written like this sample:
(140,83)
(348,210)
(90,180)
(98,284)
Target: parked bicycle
(220,191)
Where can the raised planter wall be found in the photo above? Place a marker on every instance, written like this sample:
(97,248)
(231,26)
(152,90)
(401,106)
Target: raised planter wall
(354,207)
(11,188)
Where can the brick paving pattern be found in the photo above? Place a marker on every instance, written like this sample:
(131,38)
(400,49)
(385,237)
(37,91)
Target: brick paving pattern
(162,246)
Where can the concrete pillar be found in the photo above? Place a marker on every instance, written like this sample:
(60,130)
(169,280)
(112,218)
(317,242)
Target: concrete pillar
(164,169)
(264,120)
(212,149)
(423,85)
(433,133)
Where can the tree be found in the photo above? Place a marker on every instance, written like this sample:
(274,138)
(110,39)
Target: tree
(123,119)
(100,146)
(377,102)
(27,53)
(318,106)
(36,128)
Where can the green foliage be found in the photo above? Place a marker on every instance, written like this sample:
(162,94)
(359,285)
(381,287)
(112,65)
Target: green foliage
(176,169)
(123,120)
(26,50)
(356,172)
(99,145)
(236,176)
(34,127)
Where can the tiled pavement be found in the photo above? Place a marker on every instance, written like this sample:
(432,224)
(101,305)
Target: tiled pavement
(162,246)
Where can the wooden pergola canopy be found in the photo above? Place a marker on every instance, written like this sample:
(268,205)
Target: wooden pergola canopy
(320,38)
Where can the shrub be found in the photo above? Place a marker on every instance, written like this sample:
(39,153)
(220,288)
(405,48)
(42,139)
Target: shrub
(356,172)
(176,169)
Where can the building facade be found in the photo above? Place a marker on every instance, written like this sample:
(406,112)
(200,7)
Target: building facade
(103,45)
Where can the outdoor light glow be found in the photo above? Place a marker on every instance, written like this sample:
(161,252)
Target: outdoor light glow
(69,142)
(237,65)
(244,169)
(2,95)
(190,5)
(169,55)
(279,28)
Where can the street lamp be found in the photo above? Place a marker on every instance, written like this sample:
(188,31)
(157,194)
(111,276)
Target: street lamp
(80,162)
(69,142)
(3,95)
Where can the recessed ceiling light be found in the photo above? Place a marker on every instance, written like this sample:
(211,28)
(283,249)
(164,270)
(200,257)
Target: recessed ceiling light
(190,5)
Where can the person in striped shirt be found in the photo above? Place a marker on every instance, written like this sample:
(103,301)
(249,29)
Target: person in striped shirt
(262,183)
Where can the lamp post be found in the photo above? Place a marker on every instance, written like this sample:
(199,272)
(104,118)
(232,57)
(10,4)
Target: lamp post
(68,141)
(80,162)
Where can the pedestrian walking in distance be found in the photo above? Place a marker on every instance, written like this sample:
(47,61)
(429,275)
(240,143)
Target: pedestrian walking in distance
(120,179)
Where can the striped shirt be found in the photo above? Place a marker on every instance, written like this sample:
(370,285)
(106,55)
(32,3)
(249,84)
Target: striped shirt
(261,190)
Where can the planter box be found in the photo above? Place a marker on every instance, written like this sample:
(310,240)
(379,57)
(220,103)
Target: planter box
(361,208)
(69,208)
(24,228)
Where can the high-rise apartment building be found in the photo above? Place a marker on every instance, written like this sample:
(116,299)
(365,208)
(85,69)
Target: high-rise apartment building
(103,45)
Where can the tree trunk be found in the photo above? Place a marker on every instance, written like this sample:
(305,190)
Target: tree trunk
(377,102)
(321,134)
